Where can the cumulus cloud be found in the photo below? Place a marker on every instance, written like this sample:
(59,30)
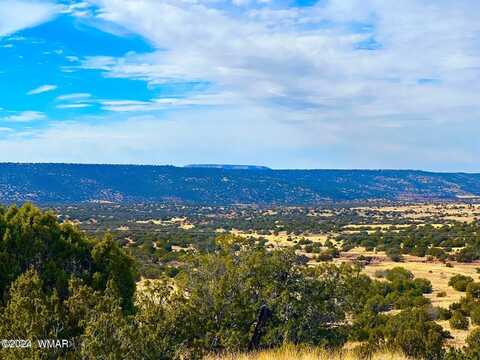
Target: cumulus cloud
(16,15)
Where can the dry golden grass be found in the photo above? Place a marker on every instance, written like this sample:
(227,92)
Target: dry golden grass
(436,272)
(281,239)
(375,226)
(290,352)
(181,222)
(439,275)
(459,336)
(456,211)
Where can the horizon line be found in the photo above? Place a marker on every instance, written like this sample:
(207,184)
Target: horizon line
(218,166)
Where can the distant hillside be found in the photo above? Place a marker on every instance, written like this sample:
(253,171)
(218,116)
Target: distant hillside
(228,167)
(69,183)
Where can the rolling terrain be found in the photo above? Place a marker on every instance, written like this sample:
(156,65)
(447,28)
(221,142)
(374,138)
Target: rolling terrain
(73,183)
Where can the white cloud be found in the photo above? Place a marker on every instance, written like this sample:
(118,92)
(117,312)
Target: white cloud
(73,106)
(74,96)
(79,9)
(42,89)
(290,58)
(72,58)
(151,139)
(190,136)
(25,116)
(294,87)
(126,105)
(16,15)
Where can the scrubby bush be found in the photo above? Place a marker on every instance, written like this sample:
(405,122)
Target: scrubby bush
(413,332)
(444,314)
(473,290)
(458,321)
(53,277)
(438,253)
(475,315)
(460,282)
(394,254)
(473,342)
(424,285)
(399,273)
(377,304)
(467,254)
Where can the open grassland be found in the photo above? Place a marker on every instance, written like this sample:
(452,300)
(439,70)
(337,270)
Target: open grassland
(453,212)
(282,238)
(459,336)
(438,273)
(304,353)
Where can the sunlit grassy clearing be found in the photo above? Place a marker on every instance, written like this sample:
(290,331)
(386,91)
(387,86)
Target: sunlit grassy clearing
(304,353)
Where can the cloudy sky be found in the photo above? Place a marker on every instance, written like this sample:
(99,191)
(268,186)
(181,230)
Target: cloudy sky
(282,83)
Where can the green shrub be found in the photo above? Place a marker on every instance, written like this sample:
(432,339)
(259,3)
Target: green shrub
(473,342)
(444,314)
(377,304)
(475,315)
(458,321)
(415,334)
(473,290)
(394,254)
(460,282)
(308,249)
(399,273)
(424,285)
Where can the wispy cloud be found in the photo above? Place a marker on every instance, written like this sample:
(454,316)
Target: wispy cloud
(73,106)
(79,9)
(16,15)
(336,79)
(127,105)
(25,116)
(74,96)
(75,101)
(42,89)
(309,57)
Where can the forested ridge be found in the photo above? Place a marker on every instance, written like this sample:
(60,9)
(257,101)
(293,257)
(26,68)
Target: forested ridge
(73,183)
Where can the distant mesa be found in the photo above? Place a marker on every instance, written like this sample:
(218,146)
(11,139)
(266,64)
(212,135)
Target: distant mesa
(225,184)
(228,167)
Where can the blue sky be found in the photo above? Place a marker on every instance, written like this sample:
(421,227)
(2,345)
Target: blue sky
(287,84)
